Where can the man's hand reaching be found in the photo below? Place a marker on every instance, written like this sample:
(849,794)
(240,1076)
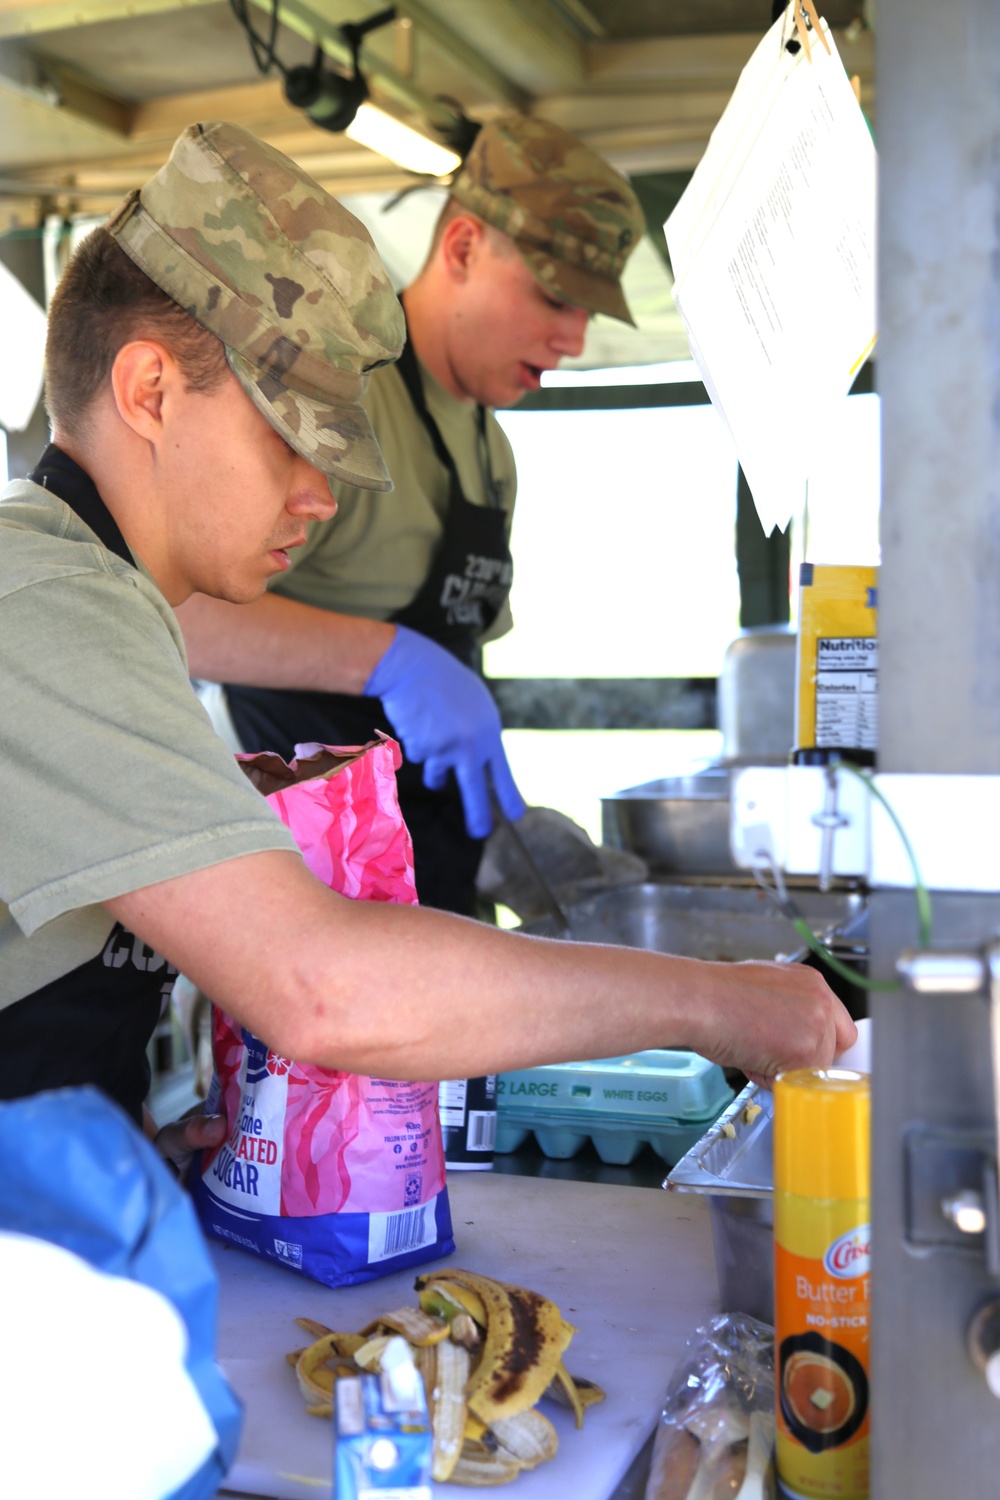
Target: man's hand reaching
(178,1141)
(766,1018)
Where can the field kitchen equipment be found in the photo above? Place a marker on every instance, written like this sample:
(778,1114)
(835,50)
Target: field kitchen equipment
(936,1027)
(678,824)
(732,1166)
(706,921)
(736,1174)
(666,1098)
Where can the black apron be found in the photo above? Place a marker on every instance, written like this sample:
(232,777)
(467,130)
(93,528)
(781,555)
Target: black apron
(468,582)
(94,1024)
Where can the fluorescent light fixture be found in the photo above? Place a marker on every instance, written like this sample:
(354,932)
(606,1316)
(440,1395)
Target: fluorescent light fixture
(380,132)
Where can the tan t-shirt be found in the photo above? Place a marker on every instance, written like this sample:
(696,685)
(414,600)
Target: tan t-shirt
(374,556)
(112,777)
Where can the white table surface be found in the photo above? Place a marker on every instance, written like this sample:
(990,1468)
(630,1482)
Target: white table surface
(632,1267)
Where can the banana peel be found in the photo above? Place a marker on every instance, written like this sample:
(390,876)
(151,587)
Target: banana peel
(529,1437)
(477,1466)
(447,1407)
(369,1356)
(521,1349)
(416,1326)
(466,1297)
(574,1391)
(487,1351)
(314,1329)
(316,1369)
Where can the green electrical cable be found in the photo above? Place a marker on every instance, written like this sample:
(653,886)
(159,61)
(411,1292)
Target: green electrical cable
(833,962)
(923,897)
(923,900)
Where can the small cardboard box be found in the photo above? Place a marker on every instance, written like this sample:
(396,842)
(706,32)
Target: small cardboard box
(382,1439)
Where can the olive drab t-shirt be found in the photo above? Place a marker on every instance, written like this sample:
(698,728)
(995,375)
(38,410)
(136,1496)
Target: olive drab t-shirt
(373,557)
(112,776)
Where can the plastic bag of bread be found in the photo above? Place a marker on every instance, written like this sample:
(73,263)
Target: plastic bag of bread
(715,1439)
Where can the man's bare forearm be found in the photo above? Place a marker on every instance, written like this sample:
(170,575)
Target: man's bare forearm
(401,992)
(279,643)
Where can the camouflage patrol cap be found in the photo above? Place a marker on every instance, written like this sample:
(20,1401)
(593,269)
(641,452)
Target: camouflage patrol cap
(573,218)
(287,278)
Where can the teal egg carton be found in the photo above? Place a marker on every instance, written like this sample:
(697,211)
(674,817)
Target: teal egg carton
(664,1099)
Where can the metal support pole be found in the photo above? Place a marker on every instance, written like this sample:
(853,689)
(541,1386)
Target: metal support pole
(936,1423)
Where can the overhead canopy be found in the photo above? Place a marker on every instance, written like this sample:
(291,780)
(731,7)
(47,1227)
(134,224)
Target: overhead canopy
(93,93)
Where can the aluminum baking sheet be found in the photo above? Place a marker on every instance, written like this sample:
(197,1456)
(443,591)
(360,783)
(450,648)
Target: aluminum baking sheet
(741,1165)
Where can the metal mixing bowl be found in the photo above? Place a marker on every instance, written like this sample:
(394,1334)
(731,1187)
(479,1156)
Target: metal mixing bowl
(678,824)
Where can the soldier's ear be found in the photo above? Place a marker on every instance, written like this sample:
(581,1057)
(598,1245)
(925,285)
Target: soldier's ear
(142,376)
(461,245)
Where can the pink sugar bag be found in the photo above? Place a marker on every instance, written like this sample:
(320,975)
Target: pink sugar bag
(339,1176)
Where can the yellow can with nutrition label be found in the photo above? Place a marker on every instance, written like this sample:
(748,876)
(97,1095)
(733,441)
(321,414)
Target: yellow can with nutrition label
(822,1282)
(837,660)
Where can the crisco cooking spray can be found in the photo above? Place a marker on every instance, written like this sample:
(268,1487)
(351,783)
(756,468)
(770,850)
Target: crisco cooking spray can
(822,1282)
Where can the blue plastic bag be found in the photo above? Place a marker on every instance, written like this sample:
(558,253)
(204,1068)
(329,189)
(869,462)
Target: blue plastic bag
(77,1172)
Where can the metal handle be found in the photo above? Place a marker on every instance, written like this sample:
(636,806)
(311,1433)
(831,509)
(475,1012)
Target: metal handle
(983,1342)
(942,973)
(946,973)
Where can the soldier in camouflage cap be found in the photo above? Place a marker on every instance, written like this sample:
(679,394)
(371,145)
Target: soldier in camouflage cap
(574,219)
(284,276)
(531,242)
(191,407)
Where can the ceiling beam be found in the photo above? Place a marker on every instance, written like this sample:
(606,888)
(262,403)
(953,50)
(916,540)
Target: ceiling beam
(260,107)
(478,59)
(525,38)
(702,60)
(28,18)
(581,16)
(58,89)
(34,17)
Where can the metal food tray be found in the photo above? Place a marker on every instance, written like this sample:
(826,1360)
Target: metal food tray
(736,1174)
(737,1166)
(708,921)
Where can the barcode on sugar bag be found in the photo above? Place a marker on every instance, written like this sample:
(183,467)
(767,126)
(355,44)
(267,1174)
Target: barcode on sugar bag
(395,1234)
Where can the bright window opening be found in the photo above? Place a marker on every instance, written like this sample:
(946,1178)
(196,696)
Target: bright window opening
(623,542)
(624,566)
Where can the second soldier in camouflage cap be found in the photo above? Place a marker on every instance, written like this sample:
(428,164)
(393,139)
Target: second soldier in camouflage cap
(290,282)
(573,218)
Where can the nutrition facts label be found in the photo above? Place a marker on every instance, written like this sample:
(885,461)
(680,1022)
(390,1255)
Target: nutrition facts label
(847,692)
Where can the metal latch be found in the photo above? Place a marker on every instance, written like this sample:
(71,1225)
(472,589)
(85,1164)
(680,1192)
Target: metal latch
(953,1176)
(957,1171)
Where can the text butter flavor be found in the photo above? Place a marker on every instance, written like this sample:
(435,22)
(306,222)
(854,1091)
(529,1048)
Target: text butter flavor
(822,1282)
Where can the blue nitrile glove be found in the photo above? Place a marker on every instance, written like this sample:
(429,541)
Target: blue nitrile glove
(446,719)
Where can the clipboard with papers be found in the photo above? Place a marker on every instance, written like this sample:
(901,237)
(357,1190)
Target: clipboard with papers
(773,251)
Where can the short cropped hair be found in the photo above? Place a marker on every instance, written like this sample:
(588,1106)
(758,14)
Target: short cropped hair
(104,301)
(451,209)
